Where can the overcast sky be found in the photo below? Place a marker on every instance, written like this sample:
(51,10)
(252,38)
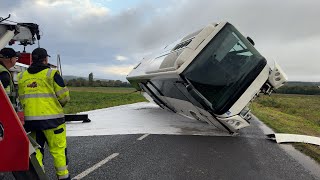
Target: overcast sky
(109,37)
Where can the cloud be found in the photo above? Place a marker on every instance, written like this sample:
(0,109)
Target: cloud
(299,59)
(6,6)
(79,8)
(98,70)
(121,58)
(118,70)
(84,31)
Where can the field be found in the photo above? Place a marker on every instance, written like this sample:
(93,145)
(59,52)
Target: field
(89,98)
(296,114)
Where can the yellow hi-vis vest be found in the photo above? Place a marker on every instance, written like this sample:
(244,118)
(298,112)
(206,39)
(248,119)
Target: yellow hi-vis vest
(40,96)
(9,88)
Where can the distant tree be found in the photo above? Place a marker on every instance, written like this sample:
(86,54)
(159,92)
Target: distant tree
(90,79)
(97,83)
(111,83)
(126,84)
(80,82)
(71,82)
(117,83)
(307,90)
(104,83)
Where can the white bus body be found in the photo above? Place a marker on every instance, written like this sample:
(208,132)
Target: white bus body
(210,75)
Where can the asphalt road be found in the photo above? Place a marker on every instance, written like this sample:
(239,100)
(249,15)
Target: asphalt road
(248,156)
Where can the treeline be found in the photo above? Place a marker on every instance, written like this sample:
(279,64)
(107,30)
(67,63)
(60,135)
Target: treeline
(307,90)
(82,82)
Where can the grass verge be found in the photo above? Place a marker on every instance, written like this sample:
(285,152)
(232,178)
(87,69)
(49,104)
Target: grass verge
(86,99)
(294,114)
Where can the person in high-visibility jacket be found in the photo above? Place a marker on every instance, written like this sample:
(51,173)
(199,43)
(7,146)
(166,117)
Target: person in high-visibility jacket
(43,94)
(8,58)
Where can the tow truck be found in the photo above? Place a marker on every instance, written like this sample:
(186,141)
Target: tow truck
(17,149)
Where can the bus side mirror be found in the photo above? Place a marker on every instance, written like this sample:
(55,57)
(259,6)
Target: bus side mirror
(251,41)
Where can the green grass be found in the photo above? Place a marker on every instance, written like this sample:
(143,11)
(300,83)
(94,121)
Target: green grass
(295,114)
(85,99)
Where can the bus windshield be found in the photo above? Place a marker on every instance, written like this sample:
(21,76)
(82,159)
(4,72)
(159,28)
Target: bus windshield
(225,68)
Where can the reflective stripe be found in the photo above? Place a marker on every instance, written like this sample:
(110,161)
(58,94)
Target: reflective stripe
(42,95)
(20,77)
(64,176)
(9,89)
(62,91)
(14,94)
(62,168)
(64,100)
(49,72)
(28,118)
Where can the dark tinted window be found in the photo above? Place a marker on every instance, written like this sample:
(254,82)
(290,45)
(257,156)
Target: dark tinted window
(155,95)
(225,68)
(168,88)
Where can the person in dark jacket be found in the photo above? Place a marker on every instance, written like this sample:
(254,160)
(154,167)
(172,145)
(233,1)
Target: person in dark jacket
(43,94)
(8,58)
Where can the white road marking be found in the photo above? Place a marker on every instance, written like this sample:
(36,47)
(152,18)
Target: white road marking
(142,137)
(96,166)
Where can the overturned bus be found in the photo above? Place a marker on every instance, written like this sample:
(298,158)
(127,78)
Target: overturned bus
(210,75)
